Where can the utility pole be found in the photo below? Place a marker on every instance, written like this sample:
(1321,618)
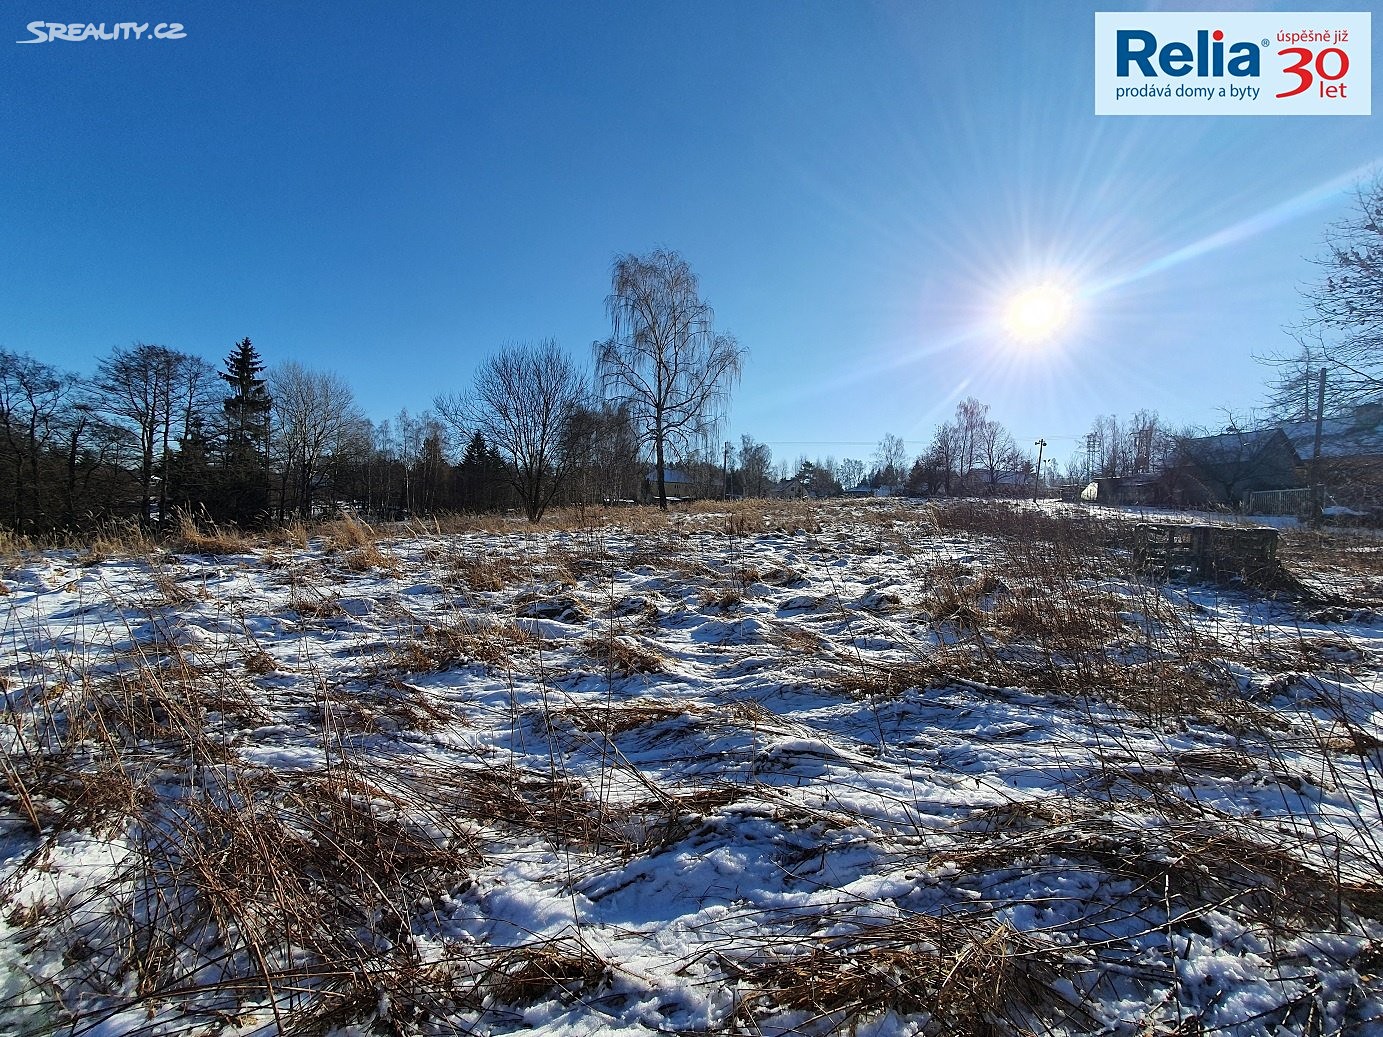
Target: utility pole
(1317,490)
(726,469)
(1041,445)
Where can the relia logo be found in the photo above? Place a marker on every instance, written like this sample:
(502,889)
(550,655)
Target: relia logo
(1139,47)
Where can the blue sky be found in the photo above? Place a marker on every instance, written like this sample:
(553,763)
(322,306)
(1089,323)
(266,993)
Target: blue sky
(392,190)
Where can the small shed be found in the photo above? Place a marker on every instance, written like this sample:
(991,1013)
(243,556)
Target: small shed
(1145,489)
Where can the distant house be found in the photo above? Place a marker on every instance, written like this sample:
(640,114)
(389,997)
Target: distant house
(865,490)
(789,489)
(1356,437)
(1351,453)
(676,483)
(1224,469)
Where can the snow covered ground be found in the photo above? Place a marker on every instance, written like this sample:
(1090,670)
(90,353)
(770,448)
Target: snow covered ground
(864,767)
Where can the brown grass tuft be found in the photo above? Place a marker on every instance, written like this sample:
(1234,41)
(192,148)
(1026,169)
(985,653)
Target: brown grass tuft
(622,654)
(532,972)
(491,572)
(119,538)
(970,976)
(293,534)
(207,538)
(445,646)
(625,716)
(368,558)
(348,532)
(314,605)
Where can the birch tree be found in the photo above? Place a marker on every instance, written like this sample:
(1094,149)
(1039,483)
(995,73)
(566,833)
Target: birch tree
(664,360)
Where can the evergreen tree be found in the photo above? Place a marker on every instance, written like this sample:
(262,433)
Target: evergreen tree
(482,477)
(189,471)
(244,486)
(469,473)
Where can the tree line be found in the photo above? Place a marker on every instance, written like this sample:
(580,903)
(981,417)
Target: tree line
(154,430)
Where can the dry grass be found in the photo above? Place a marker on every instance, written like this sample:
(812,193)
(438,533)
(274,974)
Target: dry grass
(563,968)
(1342,567)
(310,888)
(626,716)
(564,608)
(622,654)
(1070,531)
(206,537)
(488,572)
(1355,550)
(370,558)
(294,534)
(260,663)
(1060,613)
(723,599)
(13,547)
(312,604)
(448,523)
(736,518)
(171,591)
(952,593)
(445,646)
(119,539)
(347,533)
(387,706)
(760,516)
(266,879)
(552,807)
(796,640)
(968,976)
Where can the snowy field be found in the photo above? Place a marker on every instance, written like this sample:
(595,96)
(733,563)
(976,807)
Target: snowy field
(866,768)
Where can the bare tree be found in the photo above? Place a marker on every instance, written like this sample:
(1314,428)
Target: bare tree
(604,454)
(1109,453)
(315,419)
(890,460)
(939,461)
(998,452)
(756,466)
(1345,330)
(522,403)
(93,482)
(968,428)
(156,392)
(1292,391)
(664,358)
(33,399)
(851,472)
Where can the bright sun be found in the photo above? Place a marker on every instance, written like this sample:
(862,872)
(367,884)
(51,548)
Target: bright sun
(1037,313)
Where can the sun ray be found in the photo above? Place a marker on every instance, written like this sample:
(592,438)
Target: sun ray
(1283,212)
